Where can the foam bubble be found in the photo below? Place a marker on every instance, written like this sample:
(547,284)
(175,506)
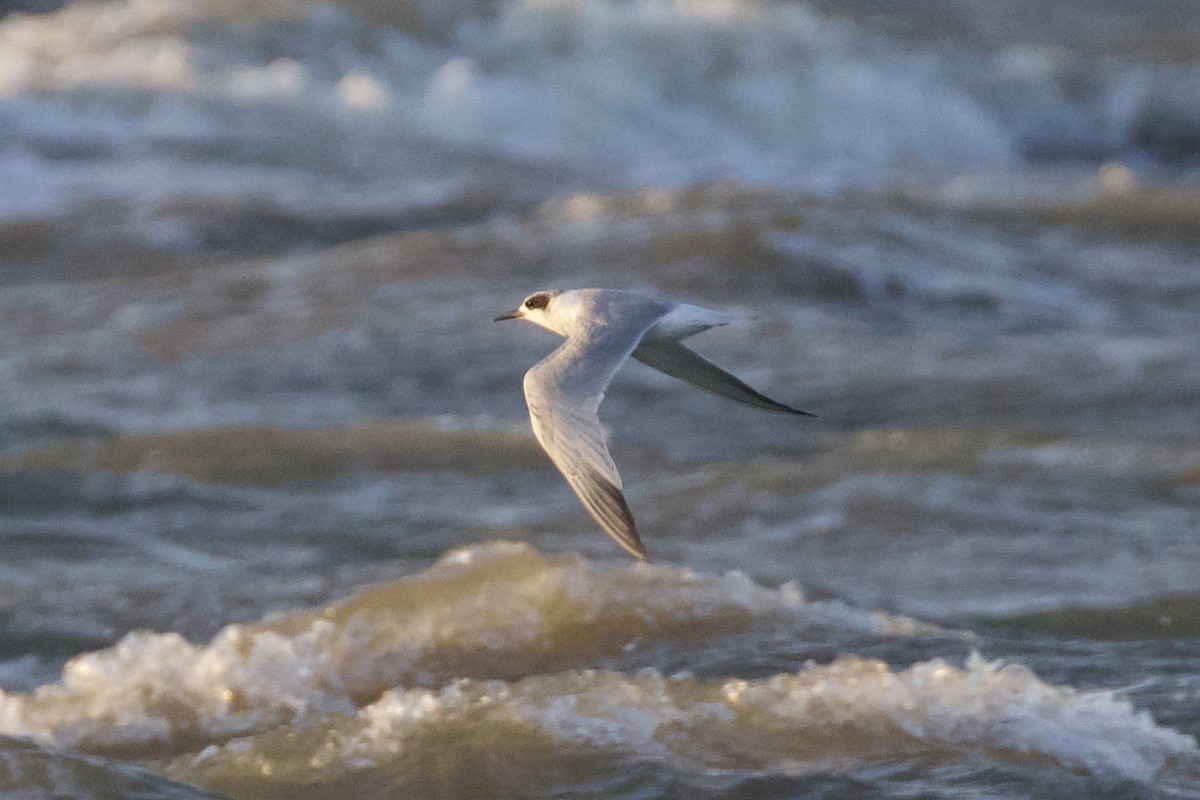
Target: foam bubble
(835,717)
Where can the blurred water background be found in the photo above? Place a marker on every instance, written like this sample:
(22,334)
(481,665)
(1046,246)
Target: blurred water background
(272,522)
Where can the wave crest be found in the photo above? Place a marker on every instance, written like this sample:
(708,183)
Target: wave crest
(498,610)
(828,718)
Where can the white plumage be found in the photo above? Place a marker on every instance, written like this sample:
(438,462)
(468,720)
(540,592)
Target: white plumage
(604,327)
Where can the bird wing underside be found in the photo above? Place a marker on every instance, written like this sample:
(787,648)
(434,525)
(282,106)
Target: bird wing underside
(680,362)
(563,392)
(576,446)
(606,503)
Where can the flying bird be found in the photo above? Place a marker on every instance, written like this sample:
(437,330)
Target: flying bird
(604,327)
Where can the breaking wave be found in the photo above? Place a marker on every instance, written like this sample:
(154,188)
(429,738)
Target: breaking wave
(499,610)
(490,650)
(833,718)
(281,100)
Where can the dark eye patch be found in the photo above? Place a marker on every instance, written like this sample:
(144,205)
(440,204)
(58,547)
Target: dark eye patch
(537,301)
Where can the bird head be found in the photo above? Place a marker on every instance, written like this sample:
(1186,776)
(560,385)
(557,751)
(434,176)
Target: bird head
(540,309)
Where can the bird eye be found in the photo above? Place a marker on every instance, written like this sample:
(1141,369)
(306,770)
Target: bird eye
(537,301)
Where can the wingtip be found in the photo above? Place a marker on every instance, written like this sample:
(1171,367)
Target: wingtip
(631,541)
(606,503)
(783,408)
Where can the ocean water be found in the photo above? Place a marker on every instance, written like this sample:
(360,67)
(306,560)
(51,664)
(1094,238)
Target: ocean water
(272,520)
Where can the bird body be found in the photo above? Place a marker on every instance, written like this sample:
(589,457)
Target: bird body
(603,328)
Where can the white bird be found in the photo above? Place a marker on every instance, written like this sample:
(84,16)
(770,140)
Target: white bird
(603,327)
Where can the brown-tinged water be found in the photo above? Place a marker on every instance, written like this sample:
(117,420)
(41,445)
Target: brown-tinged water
(272,522)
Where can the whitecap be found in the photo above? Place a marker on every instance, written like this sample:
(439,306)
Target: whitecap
(498,610)
(832,718)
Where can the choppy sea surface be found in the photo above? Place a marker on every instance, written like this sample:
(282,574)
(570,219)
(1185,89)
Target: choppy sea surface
(272,521)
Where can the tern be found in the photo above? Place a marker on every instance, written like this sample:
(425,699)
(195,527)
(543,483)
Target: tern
(604,327)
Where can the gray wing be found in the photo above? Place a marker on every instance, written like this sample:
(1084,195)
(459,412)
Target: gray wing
(563,392)
(676,360)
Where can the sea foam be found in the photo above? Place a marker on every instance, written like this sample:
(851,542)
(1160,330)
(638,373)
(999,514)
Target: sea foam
(486,647)
(278,99)
(834,718)
(499,610)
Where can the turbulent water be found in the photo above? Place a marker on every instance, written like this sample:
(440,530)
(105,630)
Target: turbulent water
(272,521)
